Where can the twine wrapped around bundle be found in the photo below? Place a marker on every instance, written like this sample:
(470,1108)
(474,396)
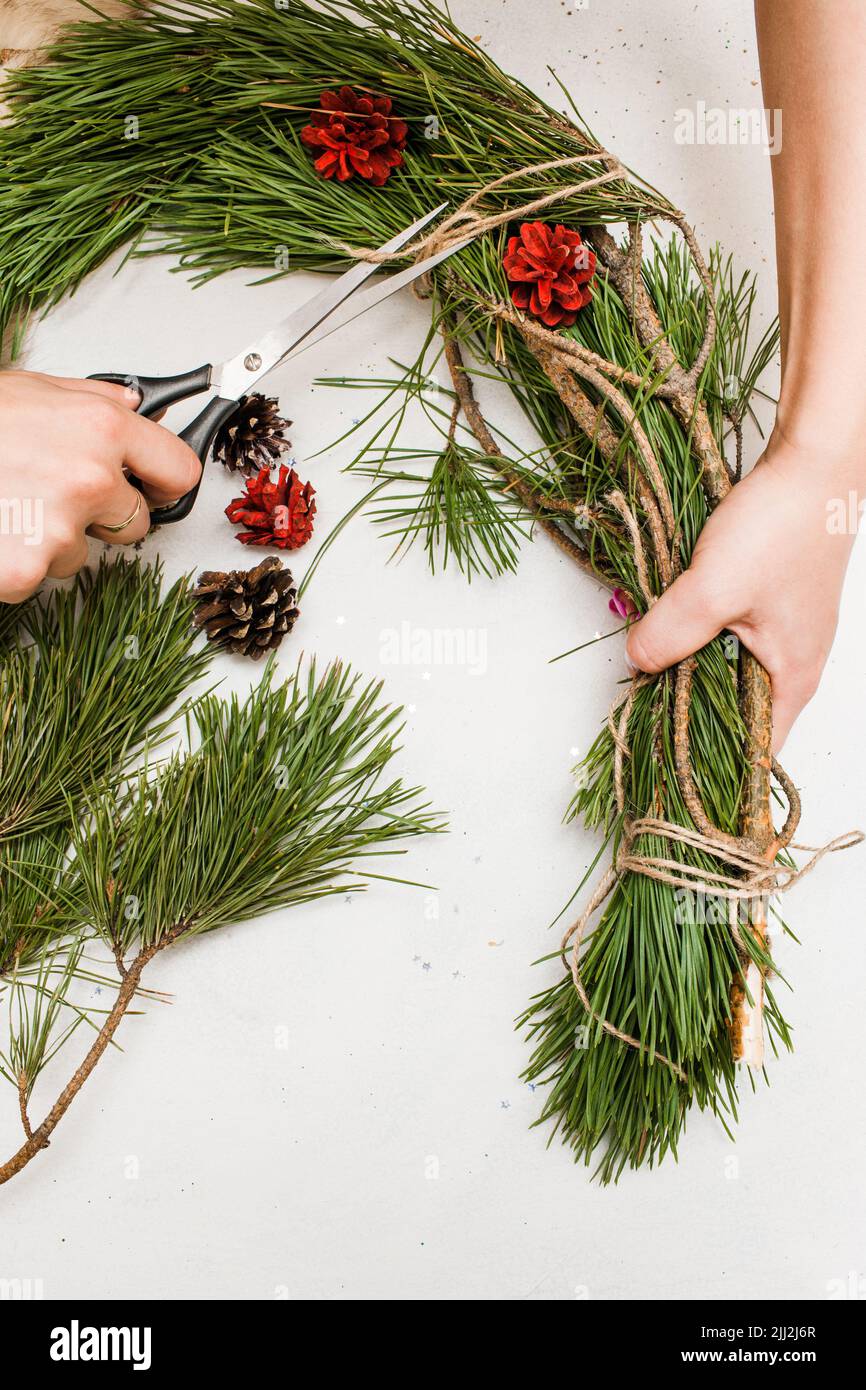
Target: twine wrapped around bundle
(751,872)
(749,875)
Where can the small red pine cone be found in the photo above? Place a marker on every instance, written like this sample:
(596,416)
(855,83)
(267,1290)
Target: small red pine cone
(356,134)
(278,513)
(549,270)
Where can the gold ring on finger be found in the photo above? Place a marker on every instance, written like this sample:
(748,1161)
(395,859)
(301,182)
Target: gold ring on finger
(121,526)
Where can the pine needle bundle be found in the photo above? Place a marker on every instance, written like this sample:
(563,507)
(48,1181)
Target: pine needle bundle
(638,405)
(112,850)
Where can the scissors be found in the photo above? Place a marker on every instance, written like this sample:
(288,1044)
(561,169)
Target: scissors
(233,379)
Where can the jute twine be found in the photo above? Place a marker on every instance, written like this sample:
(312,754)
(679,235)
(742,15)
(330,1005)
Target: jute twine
(748,875)
(467,223)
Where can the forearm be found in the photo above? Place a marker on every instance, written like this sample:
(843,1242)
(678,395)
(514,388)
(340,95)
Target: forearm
(770,563)
(813,68)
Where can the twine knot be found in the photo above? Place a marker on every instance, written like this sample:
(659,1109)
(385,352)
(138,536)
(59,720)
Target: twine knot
(746,874)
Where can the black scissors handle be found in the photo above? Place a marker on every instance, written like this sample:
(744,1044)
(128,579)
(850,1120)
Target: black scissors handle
(158,392)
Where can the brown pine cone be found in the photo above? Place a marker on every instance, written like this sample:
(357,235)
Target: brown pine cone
(246,611)
(253,437)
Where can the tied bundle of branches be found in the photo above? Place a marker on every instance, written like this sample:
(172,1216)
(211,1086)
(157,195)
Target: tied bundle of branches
(637,401)
(112,854)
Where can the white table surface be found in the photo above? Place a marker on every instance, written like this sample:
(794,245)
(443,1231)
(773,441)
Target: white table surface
(385,1150)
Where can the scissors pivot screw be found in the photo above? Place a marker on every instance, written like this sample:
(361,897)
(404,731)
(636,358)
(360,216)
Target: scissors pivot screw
(234,378)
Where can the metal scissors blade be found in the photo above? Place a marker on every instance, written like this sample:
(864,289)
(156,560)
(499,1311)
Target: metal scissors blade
(312,322)
(235,377)
(375,295)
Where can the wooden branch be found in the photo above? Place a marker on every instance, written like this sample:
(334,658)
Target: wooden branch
(22,1104)
(696,370)
(537,333)
(756,825)
(624,408)
(531,500)
(592,420)
(651,333)
(38,1139)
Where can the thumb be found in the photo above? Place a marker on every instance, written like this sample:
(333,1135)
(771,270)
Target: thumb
(681,622)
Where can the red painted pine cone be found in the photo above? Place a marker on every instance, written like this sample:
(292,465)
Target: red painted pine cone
(278,513)
(356,134)
(549,269)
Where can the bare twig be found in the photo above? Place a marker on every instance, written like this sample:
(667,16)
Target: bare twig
(38,1139)
(534,502)
(593,422)
(22,1104)
(537,333)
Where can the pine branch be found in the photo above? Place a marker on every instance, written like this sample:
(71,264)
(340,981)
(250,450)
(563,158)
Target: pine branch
(274,802)
(40,1137)
(460,508)
(104,660)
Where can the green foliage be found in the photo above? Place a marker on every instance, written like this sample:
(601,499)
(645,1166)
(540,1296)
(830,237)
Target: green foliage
(216,171)
(99,663)
(737,363)
(457,509)
(107,848)
(668,981)
(41,1015)
(280,797)
(10,620)
(87,679)
(218,175)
